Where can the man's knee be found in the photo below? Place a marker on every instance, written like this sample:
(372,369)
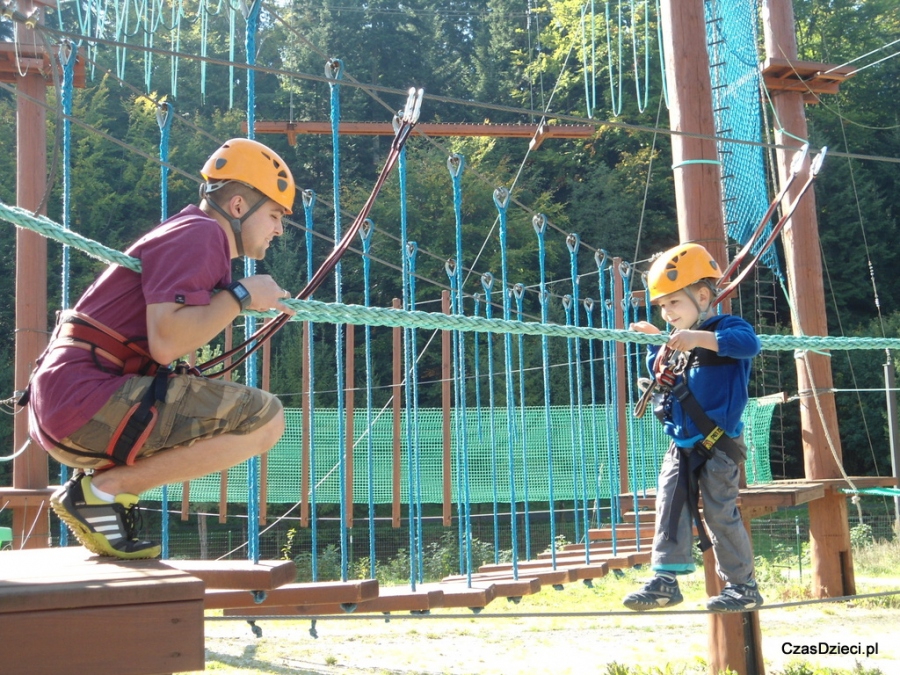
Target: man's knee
(272,431)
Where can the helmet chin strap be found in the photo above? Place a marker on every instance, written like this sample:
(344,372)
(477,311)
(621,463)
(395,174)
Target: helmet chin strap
(702,314)
(234,222)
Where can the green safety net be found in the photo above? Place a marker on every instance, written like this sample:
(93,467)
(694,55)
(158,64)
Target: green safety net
(577,473)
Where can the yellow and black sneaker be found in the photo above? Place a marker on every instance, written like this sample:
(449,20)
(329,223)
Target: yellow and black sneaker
(103,528)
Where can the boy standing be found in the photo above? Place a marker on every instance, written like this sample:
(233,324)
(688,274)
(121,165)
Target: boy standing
(704,394)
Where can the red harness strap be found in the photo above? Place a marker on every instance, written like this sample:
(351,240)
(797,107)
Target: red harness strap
(79,330)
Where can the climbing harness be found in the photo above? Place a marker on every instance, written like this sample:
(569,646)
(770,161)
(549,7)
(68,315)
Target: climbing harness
(404,123)
(76,329)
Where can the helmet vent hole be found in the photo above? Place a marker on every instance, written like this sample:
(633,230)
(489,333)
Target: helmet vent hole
(282,185)
(220,162)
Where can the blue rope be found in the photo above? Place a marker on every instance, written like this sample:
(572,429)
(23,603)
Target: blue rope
(477,359)
(501,201)
(607,320)
(253,464)
(412,392)
(309,203)
(164,117)
(334,71)
(540,228)
(66,95)
(487,282)
(456,165)
(519,295)
(573,243)
(573,431)
(596,472)
(365,234)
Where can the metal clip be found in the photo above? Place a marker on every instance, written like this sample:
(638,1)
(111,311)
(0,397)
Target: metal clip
(539,223)
(334,69)
(455,164)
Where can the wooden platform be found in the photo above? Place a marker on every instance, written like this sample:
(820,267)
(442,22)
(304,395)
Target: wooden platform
(55,602)
(64,613)
(810,78)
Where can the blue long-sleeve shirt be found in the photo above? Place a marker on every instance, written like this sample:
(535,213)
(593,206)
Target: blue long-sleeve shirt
(718,380)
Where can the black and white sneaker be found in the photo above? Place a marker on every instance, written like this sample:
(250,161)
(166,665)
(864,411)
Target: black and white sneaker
(736,598)
(656,593)
(103,528)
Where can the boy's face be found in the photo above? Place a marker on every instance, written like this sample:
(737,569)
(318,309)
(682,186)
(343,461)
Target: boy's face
(258,231)
(679,310)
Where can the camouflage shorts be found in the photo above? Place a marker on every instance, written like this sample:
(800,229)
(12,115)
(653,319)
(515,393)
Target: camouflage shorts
(195,408)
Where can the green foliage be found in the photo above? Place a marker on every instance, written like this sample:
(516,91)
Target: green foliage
(804,668)
(861,536)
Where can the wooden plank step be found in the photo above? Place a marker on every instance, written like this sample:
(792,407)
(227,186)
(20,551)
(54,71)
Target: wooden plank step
(390,599)
(314,593)
(506,585)
(623,532)
(458,595)
(602,547)
(265,575)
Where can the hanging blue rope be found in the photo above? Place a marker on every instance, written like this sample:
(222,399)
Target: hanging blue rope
(501,201)
(519,294)
(412,392)
(596,470)
(164,117)
(573,243)
(455,165)
(67,56)
(365,233)
(539,222)
(487,283)
(253,464)
(568,303)
(309,203)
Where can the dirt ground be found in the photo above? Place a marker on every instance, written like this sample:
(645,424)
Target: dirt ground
(462,643)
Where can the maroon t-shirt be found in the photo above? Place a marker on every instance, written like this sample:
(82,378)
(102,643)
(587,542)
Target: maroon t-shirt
(183,260)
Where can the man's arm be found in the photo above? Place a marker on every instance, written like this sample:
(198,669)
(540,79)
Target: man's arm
(174,330)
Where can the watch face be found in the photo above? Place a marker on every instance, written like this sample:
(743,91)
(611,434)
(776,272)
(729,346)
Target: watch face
(240,291)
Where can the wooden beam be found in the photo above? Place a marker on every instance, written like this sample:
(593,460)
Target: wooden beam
(531,131)
(14,60)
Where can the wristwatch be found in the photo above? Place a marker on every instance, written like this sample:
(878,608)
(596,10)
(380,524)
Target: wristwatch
(240,293)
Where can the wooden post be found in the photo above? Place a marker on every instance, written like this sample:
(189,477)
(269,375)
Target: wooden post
(30,469)
(397,390)
(446,340)
(350,399)
(698,196)
(832,562)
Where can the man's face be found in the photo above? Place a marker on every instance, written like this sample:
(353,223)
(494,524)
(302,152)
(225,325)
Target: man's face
(263,225)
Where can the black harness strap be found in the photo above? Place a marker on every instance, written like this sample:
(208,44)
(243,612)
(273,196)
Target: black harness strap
(137,424)
(691,461)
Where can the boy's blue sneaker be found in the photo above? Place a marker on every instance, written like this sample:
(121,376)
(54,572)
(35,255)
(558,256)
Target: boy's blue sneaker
(655,594)
(736,598)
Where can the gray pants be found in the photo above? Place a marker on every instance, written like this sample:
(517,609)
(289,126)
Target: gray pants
(719,480)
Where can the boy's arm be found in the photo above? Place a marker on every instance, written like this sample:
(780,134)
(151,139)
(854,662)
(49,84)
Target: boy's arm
(738,340)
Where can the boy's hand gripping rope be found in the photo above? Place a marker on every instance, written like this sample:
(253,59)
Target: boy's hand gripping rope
(404,122)
(667,365)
